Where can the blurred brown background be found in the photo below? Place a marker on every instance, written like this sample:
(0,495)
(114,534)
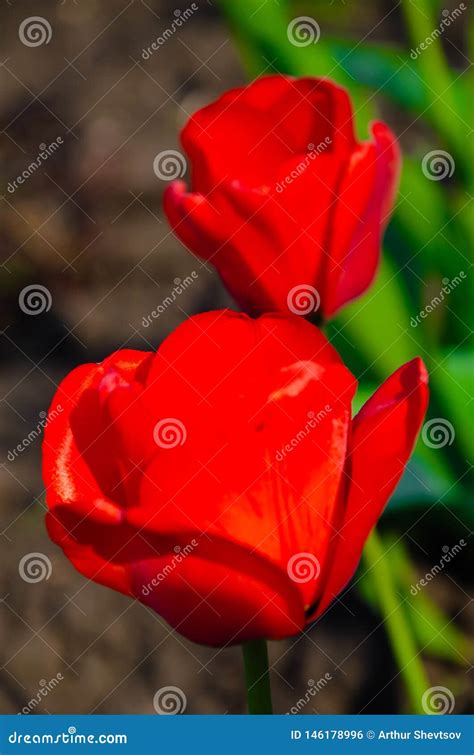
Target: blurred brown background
(88,226)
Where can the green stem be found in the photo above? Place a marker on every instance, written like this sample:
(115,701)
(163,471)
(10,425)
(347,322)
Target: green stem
(259,696)
(396,623)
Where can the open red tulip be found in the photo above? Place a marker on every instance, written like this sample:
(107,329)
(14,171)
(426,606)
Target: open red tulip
(221,480)
(285,202)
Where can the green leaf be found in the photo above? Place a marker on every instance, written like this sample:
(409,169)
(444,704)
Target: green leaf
(434,633)
(383,585)
(454,380)
(444,108)
(390,71)
(378,325)
(422,215)
(426,480)
(434,630)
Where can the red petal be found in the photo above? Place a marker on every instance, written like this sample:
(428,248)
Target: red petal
(218,594)
(85,559)
(366,197)
(241,389)
(230,142)
(249,131)
(237,408)
(311,110)
(194,220)
(264,244)
(383,435)
(75,466)
(79,463)
(66,475)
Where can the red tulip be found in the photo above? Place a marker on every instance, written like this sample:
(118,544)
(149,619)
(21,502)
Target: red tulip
(221,480)
(285,202)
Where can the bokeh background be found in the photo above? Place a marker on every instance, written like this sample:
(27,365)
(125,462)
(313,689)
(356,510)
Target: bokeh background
(88,226)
